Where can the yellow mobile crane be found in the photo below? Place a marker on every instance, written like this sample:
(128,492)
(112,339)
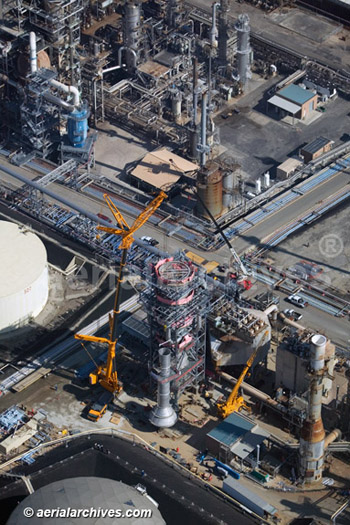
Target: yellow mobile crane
(235,402)
(105,374)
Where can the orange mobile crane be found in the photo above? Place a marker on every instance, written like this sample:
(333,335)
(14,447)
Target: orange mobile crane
(106,374)
(235,402)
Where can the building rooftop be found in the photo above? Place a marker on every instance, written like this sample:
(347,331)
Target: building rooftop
(316,145)
(162,168)
(286,105)
(250,495)
(290,164)
(296,94)
(231,429)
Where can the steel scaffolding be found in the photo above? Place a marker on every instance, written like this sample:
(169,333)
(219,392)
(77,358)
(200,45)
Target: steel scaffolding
(177,302)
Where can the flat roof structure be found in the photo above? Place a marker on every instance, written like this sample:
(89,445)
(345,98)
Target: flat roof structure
(233,486)
(231,429)
(239,434)
(290,164)
(284,104)
(296,94)
(249,442)
(316,145)
(154,69)
(163,168)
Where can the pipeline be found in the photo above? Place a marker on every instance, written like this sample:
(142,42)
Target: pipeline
(132,51)
(292,323)
(67,89)
(33,57)
(54,83)
(58,101)
(332,436)
(265,398)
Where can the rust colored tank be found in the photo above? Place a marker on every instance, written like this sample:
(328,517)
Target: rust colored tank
(209,188)
(23,67)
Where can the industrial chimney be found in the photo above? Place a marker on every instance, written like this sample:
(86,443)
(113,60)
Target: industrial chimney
(312,433)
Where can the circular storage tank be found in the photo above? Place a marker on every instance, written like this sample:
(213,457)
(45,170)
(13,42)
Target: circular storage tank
(226,200)
(87,493)
(24,281)
(209,189)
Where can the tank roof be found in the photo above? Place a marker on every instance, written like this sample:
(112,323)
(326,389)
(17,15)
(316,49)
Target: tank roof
(22,258)
(86,493)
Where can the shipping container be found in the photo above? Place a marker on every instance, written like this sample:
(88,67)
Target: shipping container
(247,497)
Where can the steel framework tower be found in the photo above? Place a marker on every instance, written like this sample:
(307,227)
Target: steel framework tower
(176,300)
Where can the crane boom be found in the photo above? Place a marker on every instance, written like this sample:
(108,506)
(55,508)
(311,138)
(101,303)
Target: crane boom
(235,402)
(242,270)
(105,374)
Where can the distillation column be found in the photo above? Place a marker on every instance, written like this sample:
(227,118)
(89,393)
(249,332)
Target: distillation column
(312,433)
(223,32)
(243,50)
(131,35)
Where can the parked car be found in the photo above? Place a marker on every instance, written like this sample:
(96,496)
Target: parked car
(104,217)
(292,314)
(149,240)
(297,301)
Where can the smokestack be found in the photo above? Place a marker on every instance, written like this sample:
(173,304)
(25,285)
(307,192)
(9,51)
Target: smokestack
(195,90)
(312,433)
(214,30)
(203,146)
(163,415)
(223,32)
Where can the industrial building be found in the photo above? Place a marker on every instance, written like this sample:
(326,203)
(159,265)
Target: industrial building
(287,168)
(294,101)
(24,286)
(292,364)
(237,437)
(162,169)
(316,148)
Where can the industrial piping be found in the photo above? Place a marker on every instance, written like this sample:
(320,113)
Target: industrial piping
(33,57)
(95,218)
(54,83)
(214,30)
(67,89)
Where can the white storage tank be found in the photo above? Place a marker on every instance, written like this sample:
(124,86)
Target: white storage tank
(24,281)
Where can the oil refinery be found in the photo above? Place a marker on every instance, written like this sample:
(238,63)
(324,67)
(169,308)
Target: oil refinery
(174,286)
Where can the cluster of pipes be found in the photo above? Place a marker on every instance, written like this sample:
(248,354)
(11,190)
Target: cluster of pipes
(78,114)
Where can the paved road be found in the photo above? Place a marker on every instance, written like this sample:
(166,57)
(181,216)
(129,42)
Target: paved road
(302,204)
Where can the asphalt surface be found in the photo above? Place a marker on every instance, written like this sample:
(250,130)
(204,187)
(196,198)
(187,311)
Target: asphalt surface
(180,499)
(333,52)
(302,204)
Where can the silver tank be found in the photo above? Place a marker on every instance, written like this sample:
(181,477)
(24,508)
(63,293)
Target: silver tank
(226,200)
(227,181)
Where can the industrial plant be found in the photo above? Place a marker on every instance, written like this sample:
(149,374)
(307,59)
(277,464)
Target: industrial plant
(174,285)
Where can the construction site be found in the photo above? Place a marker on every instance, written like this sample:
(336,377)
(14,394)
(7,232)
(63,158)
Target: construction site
(174,288)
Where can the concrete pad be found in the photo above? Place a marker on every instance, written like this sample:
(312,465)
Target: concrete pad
(116,148)
(308,25)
